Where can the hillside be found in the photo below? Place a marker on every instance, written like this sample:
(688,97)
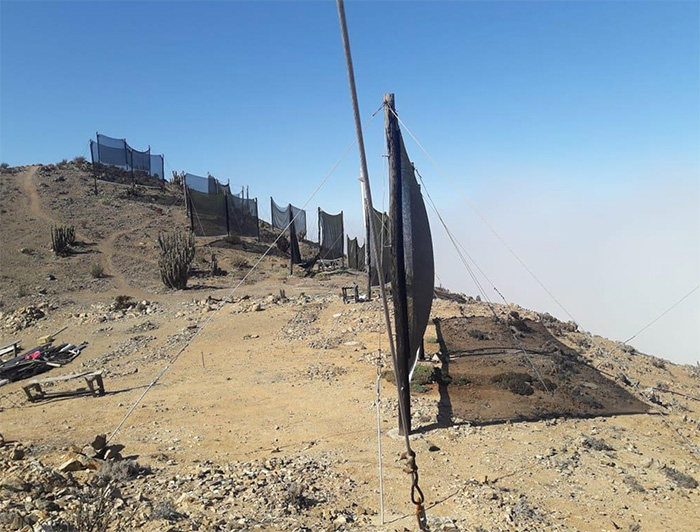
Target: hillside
(267,420)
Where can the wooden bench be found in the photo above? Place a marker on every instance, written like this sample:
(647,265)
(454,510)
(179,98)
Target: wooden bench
(9,349)
(94,381)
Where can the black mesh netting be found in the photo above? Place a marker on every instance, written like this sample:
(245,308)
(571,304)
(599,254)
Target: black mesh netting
(381,226)
(214,211)
(111,151)
(356,255)
(280,218)
(418,266)
(331,235)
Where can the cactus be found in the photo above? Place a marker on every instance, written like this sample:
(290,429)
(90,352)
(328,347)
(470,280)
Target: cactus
(62,237)
(176,255)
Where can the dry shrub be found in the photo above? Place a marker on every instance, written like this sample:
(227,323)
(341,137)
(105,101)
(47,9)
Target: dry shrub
(96,512)
(97,271)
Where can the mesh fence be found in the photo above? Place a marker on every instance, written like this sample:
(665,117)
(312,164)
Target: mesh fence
(111,151)
(381,226)
(331,233)
(214,211)
(356,255)
(280,218)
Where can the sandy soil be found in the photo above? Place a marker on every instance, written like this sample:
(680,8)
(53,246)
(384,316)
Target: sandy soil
(296,377)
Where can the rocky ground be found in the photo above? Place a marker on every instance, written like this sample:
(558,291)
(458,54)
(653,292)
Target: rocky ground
(267,420)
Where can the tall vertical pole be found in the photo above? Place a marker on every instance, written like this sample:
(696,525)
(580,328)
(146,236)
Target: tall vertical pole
(398,266)
(92,160)
(364,177)
(364,174)
(228,223)
(292,239)
(320,242)
(257,218)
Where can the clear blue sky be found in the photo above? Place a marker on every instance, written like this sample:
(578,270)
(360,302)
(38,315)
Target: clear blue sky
(562,121)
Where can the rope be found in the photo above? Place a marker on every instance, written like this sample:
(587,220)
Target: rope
(478,284)
(227,299)
(652,322)
(379,436)
(602,351)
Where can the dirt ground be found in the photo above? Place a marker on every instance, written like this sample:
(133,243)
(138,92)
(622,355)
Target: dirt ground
(264,377)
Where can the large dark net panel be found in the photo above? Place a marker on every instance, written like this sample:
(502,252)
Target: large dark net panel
(195,182)
(208,213)
(280,218)
(112,151)
(331,236)
(139,160)
(242,216)
(117,152)
(352,253)
(418,256)
(381,227)
(158,166)
(214,211)
(356,255)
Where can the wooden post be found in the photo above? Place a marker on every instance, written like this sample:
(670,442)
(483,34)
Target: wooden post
(398,267)
(368,250)
(292,238)
(92,159)
(228,226)
(342,240)
(320,242)
(257,218)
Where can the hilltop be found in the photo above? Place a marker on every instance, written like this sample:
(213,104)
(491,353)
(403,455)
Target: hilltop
(267,420)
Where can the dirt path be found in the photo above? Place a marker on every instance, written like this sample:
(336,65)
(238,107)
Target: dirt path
(107,247)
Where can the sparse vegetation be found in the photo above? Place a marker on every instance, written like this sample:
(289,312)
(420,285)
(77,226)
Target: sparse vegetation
(4,166)
(517,383)
(80,160)
(166,510)
(596,444)
(97,271)
(214,269)
(177,253)
(240,263)
(178,178)
(423,376)
(62,237)
(122,302)
(96,512)
(121,470)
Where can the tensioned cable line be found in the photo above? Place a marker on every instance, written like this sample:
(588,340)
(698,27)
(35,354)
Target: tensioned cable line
(476,281)
(693,448)
(245,277)
(510,249)
(652,322)
(483,219)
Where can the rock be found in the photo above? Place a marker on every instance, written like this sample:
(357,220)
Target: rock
(17,453)
(72,464)
(2,441)
(14,483)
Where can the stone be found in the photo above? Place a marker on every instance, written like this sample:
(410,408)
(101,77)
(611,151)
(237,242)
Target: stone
(17,453)
(72,464)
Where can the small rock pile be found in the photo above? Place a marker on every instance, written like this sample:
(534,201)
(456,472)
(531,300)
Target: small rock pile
(23,317)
